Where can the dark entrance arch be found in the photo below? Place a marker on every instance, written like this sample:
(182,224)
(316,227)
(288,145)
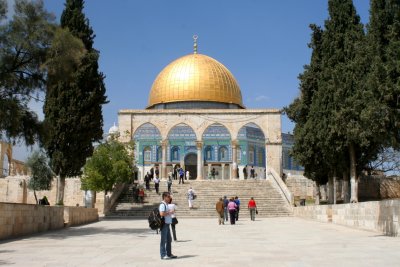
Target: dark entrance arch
(191,165)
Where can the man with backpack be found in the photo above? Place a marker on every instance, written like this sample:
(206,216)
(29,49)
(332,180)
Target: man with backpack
(165,243)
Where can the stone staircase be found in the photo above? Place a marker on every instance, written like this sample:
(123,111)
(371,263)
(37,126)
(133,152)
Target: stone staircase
(270,202)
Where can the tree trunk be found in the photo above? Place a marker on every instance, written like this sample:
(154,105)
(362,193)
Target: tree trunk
(353,174)
(330,190)
(317,193)
(334,187)
(345,189)
(60,190)
(34,193)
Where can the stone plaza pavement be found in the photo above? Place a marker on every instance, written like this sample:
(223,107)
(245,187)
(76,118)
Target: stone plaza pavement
(202,242)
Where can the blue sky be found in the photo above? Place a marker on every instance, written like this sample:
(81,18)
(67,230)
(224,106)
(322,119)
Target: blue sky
(262,42)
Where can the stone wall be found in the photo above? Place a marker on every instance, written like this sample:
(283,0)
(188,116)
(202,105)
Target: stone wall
(369,188)
(300,186)
(379,187)
(381,216)
(21,219)
(24,219)
(13,189)
(79,215)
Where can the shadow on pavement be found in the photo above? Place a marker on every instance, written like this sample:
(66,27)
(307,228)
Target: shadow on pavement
(185,257)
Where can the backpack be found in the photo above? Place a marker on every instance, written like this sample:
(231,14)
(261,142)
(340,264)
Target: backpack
(155,220)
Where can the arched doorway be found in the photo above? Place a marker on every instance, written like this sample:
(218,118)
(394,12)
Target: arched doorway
(191,165)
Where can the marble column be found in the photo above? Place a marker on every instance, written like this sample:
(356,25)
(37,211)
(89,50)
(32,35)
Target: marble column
(222,171)
(209,170)
(200,163)
(234,160)
(163,170)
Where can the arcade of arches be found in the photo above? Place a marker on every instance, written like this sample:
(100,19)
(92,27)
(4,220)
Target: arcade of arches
(198,141)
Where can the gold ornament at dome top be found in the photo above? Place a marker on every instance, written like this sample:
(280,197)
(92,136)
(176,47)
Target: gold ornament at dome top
(195,77)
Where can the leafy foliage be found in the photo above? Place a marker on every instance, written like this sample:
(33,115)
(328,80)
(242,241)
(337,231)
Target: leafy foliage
(28,45)
(41,174)
(111,163)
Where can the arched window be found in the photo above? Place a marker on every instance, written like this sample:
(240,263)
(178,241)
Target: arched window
(239,154)
(251,154)
(208,152)
(147,154)
(175,153)
(223,154)
(159,154)
(260,157)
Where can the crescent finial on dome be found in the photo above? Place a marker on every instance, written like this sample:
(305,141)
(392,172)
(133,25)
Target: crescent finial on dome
(195,37)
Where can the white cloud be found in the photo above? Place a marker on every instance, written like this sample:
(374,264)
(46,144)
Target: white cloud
(261,98)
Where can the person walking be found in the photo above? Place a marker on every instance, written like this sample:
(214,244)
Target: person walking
(156,184)
(219,207)
(141,195)
(169,184)
(181,174)
(245,172)
(147,180)
(232,210)
(237,202)
(252,206)
(190,197)
(226,201)
(213,173)
(165,242)
(187,175)
(172,207)
(252,172)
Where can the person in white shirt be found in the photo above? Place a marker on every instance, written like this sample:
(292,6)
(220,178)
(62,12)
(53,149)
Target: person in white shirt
(165,243)
(156,184)
(172,208)
(191,197)
(187,175)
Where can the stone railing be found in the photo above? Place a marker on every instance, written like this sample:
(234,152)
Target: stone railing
(282,186)
(381,216)
(79,215)
(24,219)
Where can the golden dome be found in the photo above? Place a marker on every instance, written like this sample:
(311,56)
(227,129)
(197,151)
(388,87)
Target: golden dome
(195,77)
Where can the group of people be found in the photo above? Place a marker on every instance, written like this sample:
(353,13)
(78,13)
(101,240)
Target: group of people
(253,173)
(179,172)
(232,207)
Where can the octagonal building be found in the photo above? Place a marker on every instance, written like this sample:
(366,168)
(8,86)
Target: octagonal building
(195,119)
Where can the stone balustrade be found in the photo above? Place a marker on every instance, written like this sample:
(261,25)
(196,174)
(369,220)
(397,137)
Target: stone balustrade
(381,216)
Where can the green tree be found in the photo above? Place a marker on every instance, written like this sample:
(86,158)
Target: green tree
(342,128)
(41,174)
(306,149)
(384,78)
(110,164)
(29,50)
(73,109)
(353,115)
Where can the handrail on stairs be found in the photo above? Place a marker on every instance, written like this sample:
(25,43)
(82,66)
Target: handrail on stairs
(284,189)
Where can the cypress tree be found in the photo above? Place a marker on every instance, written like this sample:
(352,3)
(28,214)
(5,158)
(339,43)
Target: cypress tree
(306,149)
(384,77)
(73,109)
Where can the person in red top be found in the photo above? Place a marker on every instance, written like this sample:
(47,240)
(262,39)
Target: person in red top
(252,206)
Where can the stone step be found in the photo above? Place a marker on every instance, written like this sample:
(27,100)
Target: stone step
(269,200)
